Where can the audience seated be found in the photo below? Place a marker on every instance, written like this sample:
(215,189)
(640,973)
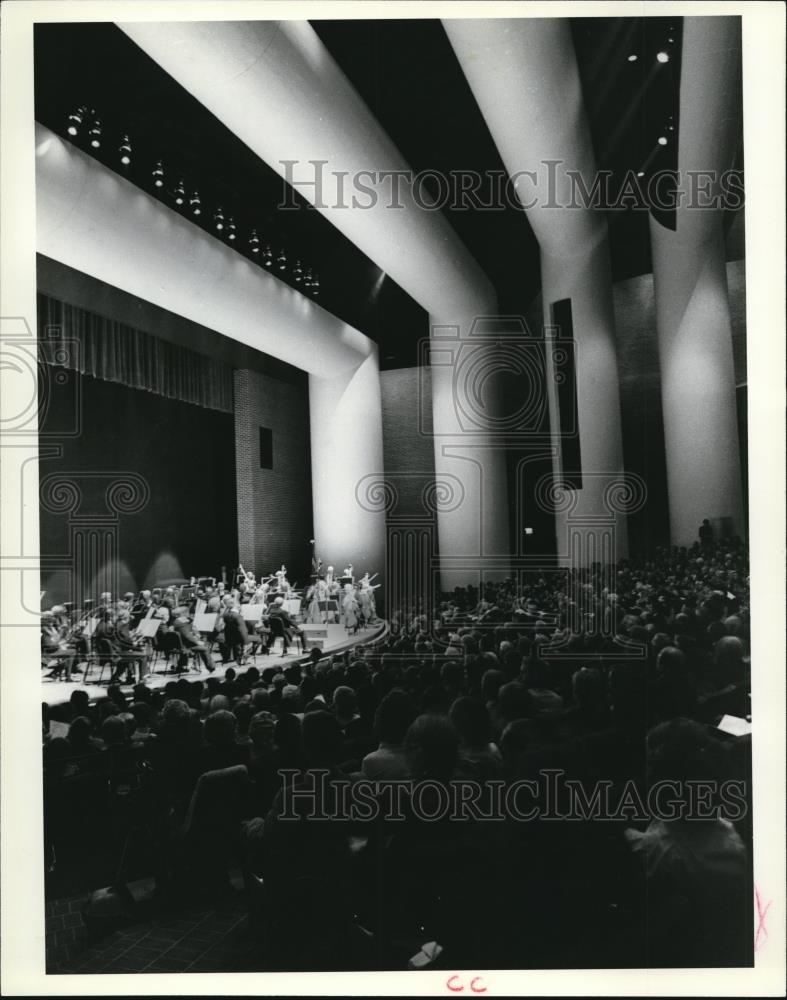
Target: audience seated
(391,722)
(557,671)
(696,871)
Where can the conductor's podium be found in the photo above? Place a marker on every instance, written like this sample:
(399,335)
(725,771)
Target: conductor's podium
(314,637)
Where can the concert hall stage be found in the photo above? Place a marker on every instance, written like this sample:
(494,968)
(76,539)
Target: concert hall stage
(335,640)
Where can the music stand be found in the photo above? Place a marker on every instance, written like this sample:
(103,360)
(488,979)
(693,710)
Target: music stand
(205,622)
(329,608)
(148,627)
(89,627)
(251,612)
(292,606)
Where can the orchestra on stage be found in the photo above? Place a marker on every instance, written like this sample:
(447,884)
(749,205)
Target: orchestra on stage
(186,621)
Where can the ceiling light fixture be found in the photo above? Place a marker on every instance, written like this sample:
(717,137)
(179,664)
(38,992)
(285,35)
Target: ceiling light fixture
(158,174)
(231,232)
(196,204)
(254,242)
(218,218)
(632,58)
(180,193)
(76,119)
(95,133)
(281,260)
(662,57)
(125,151)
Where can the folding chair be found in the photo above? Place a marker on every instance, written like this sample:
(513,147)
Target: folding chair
(104,654)
(279,631)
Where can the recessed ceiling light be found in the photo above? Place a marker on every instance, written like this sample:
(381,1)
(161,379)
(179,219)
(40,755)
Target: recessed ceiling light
(662,57)
(75,119)
(125,151)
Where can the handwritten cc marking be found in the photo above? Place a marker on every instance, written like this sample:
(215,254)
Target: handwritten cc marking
(455,985)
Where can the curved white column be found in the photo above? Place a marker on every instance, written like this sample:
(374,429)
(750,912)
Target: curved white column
(275,85)
(470,468)
(345,413)
(524,76)
(692,306)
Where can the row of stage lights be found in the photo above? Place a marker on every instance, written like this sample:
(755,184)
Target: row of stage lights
(663,56)
(224,224)
(662,141)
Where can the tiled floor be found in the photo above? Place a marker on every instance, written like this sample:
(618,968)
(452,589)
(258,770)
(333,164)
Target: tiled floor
(211,937)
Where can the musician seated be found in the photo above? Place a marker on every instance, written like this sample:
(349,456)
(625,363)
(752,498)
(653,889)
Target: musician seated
(261,637)
(213,601)
(191,640)
(141,607)
(54,647)
(234,635)
(164,611)
(128,648)
(247,586)
(279,614)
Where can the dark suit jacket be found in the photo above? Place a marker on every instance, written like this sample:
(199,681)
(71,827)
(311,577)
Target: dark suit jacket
(287,622)
(187,634)
(235,631)
(139,610)
(105,634)
(123,637)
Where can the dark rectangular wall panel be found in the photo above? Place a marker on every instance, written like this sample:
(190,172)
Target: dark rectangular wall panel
(566,378)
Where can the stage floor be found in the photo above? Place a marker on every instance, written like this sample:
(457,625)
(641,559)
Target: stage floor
(335,640)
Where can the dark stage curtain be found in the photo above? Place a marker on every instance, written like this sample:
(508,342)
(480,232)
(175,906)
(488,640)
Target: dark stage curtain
(114,352)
